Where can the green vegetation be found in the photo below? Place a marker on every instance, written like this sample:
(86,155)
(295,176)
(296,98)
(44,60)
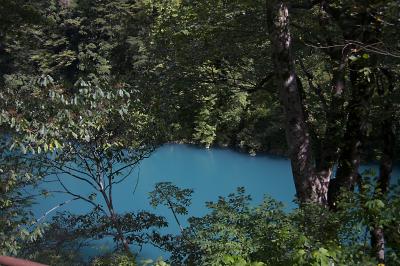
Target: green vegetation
(88,88)
(235,233)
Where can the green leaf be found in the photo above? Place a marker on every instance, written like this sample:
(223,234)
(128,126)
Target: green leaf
(365,56)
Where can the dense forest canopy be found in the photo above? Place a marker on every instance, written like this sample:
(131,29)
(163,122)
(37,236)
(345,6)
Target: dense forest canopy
(88,88)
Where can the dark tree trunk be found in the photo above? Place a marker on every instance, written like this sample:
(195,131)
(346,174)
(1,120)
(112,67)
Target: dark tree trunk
(357,28)
(334,119)
(385,168)
(386,164)
(333,134)
(113,217)
(347,174)
(349,160)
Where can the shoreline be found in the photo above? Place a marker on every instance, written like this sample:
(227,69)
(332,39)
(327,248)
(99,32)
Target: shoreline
(366,158)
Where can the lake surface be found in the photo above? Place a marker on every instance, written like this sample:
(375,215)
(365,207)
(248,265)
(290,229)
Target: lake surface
(211,173)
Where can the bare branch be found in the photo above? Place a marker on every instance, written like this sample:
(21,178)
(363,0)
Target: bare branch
(141,157)
(81,197)
(358,46)
(123,178)
(84,160)
(55,208)
(76,176)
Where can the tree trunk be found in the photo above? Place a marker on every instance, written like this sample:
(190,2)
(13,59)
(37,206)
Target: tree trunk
(113,217)
(297,136)
(120,234)
(333,133)
(385,168)
(334,118)
(347,174)
(349,160)
(378,243)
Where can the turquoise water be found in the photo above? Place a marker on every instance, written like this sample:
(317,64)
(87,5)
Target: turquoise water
(211,173)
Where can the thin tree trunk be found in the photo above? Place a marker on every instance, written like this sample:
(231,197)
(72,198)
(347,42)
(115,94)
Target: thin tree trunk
(386,164)
(385,169)
(378,243)
(333,133)
(335,117)
(357,27)
(349,160)
(113,217)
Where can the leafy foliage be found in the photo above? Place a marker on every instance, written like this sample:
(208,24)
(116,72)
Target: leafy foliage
(176,199)
(234,233)
(16,174)
(114,259)
(68,233)
(214,86)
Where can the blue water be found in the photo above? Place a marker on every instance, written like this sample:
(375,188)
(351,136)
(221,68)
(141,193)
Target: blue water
(211,173)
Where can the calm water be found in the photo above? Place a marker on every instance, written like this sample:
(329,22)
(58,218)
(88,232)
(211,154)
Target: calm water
(211,173)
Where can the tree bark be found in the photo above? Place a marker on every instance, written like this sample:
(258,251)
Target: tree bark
(385,168)
(358,28)
(378,243)
(333,133)
(113,217)
(347,174)
(297,134)
(334,119)
(349,160)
